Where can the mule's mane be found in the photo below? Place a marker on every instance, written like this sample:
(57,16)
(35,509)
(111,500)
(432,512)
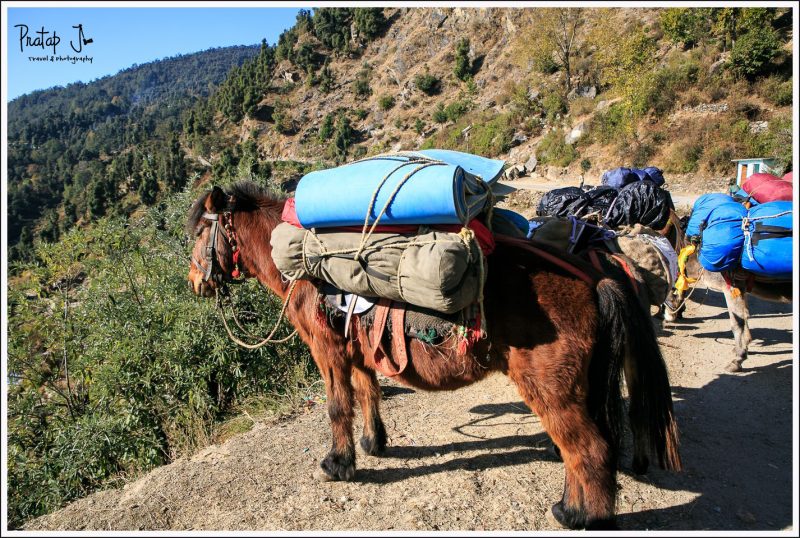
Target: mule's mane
(248,197)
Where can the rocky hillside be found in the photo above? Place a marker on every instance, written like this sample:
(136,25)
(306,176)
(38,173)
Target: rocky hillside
(696,112)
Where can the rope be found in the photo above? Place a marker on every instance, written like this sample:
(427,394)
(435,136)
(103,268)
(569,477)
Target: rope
(365,239)
(691,291)
(268,339)
(748,234)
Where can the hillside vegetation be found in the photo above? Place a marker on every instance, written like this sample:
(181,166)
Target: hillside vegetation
(115,367)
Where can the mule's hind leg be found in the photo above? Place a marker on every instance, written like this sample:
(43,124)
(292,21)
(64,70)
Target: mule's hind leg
(559,399)
(368,392)
(340,462)
(738,311)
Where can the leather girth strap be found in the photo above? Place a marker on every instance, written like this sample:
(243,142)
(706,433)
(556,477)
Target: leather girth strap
(393,363)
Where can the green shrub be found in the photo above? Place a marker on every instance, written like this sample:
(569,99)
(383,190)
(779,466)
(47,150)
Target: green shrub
(775,91)
(439,114)
(361,84)
(427,83)
(609,125)
(456,109)
(554,104)
(752,54)
(554,150)
(360,114)
(386,102)
(150,367)
(419,126)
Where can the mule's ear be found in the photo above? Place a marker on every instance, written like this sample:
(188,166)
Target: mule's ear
(215,201)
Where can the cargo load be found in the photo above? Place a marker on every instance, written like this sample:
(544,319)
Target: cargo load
(722,238)
(701,209)
(423,187)
(641,202)
(622,176)
(768,240)
(576,202)
(432,269)
(768,188)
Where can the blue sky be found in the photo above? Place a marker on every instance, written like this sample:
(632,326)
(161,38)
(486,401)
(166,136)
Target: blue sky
(124,36)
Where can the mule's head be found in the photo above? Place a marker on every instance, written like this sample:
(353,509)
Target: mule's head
(212,256)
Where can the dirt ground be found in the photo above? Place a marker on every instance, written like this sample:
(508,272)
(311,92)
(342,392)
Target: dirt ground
(478,459)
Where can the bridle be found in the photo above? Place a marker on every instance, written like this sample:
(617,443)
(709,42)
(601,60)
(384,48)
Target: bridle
(213,271)
(210,250)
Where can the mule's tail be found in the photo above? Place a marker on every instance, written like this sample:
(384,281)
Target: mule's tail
(626,329)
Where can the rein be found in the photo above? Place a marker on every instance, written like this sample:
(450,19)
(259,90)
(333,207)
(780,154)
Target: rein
(209,273)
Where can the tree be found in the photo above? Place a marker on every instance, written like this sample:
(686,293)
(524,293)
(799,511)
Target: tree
(686,25)
(556,38)
(148,187)
(369,22)
(463,68)
(753,52)
(173,171)
(343,137)
(326,129)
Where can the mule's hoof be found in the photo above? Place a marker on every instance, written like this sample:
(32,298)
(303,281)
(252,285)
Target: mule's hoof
(566,518)
(733,367)
(640,465)
(338,467)
(374,444)
(321,476)
(552,520)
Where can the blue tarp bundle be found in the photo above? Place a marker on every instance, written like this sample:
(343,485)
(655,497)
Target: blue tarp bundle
(758,240)
(701,209)
(722,238)
(619,177)
(768,240)
(423,187)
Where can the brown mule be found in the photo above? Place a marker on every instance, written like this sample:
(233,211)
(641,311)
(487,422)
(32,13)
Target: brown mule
(555,326)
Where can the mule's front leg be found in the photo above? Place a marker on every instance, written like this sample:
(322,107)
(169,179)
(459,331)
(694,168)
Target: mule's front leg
(738,311)
(340,463)
(368,392)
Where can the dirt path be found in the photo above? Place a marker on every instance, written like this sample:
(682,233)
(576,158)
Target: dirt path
(477,459)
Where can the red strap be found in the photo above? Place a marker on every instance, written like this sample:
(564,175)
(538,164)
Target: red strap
(595,259)
(628,272)
(526,245)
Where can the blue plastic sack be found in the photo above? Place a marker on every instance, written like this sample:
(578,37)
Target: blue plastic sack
(722,240)
(641,174)
(618,177)
(451,190)
(513,217)
(768,240)
(656,175)
(701,209)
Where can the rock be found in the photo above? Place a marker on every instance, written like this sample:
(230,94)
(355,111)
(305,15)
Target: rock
(758,126)
(530,164)
(716,66)
(575,133)
(533,94)
(582,91)
(518,139)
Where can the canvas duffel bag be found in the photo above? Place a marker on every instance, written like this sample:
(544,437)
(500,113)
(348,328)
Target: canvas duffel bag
(432,269)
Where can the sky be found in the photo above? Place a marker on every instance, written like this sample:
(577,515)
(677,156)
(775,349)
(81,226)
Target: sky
(123,36)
